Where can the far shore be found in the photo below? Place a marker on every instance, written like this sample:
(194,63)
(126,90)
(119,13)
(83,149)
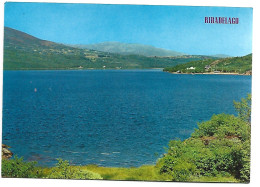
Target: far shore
(211,73)
(71,69)
(79,69)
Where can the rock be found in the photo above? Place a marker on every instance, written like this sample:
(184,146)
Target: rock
(248,72)
(5,152)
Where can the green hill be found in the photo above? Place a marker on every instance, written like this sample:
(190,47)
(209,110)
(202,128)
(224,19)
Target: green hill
(24,52)
(239,65)
(132,49)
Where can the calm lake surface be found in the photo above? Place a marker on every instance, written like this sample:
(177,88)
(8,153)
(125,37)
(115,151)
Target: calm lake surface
(109,117)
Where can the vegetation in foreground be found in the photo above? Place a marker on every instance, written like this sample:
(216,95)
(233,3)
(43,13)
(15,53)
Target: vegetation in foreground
(239,65)
(219,147)
(17,168)
(218,151)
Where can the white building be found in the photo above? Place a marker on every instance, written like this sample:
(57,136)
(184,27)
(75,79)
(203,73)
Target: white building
(191,68)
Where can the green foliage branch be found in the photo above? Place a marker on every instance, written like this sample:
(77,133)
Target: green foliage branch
(219,147)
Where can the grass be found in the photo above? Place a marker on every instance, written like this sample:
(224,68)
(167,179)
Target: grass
(230,179)
(143,173)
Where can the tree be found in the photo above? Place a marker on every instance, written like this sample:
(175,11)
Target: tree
(244,108)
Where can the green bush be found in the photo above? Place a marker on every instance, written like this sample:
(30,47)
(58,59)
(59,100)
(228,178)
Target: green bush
(195,157)
(219,147)
(17,168)
(244,108)
(223,125)
(64,171)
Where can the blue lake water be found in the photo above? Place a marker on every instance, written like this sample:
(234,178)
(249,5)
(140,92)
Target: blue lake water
(109,117)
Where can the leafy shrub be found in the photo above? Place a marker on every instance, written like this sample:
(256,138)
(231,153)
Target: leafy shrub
(17,168)
(64,171)
(244,108)
(175,164)
(223,125)
(192,157)
(219,147)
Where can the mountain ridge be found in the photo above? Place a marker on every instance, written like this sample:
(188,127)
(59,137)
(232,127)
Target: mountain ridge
(221,55)
(21,38)
(129,48)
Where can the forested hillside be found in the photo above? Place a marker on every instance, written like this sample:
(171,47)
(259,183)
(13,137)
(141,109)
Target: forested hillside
(25,52)
(239,65)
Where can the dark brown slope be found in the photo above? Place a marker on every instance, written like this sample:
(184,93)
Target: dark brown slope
(18,39)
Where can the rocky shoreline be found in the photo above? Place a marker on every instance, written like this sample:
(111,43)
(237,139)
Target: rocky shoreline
(6,153)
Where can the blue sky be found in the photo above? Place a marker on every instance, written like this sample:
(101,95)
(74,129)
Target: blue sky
(179,28)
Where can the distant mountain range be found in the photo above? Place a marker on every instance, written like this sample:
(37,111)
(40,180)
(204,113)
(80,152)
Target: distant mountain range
(221,56)
(126,49)
(23,52)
